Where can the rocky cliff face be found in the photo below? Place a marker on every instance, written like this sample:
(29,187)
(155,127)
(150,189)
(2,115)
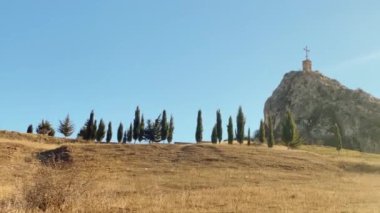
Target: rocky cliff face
(318,102)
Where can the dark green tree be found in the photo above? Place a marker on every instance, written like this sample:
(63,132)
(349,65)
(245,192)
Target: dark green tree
(290,134)
(199,130)
(338,138)
(271,134)
(219,127)
(136,124)
(66,127)
(249,137)
(109,133)
(125,137)
(230,131)
(142,129)
(94,130)
(101,133)
(120,131)
(164,126)
(240,125)
(90,126)
(152,132)
(130,134)
(214,134)
(262,137)
(45,128)
(30,129)
(171,130)
(88,131)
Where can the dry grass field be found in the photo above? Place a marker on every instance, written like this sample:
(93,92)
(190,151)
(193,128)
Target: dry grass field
(186,178)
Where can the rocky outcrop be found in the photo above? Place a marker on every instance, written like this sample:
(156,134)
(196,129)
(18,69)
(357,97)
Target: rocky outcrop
(318,102)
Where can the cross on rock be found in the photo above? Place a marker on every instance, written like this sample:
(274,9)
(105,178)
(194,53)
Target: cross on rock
(307,50)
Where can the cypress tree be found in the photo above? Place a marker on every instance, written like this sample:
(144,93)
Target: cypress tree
(219,127)
(262,137)
(171,130)
(230,131)
(100,134)
(240,123)
(214,134)
(249,137)
(125,137)
(94,130)
(338,138)
(90,126)
(199,130)
(109,133)
(289,131)
(88,131)
(130,134)
(66,127)
(136,125)
(30,129)
(271,134)
(120,131)
(142,129)
(164,126)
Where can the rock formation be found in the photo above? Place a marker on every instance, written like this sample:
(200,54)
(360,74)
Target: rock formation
(318,102)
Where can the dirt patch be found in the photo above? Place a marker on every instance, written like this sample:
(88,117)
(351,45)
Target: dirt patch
(60,156)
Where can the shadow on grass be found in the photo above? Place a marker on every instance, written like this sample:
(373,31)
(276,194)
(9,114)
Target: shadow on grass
(360,167)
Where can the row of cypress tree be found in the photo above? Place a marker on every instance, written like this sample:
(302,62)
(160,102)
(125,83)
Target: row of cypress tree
(290,135)
(155,131)
(217,131)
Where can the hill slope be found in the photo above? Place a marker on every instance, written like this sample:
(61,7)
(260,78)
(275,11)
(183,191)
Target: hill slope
(318,102)
(190,178)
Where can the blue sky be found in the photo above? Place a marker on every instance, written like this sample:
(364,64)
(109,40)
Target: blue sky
(60,57)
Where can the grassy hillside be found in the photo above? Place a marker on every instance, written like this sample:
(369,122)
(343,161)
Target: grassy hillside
(187,178)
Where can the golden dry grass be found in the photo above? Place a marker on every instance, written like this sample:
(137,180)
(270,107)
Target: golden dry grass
(198,178)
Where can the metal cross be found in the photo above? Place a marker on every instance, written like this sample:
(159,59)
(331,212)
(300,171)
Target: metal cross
(307,50)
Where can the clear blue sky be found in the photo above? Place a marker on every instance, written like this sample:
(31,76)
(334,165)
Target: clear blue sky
(59,57)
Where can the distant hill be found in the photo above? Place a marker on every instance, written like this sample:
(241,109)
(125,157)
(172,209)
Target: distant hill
(319,102)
